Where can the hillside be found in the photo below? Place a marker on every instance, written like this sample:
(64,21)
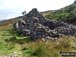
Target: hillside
(66,14)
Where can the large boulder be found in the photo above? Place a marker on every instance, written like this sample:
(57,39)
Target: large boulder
(15,25)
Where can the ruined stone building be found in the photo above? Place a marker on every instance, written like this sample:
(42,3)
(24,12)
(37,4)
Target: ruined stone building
(37,26)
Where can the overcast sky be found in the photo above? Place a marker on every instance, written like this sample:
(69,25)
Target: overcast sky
(13,8)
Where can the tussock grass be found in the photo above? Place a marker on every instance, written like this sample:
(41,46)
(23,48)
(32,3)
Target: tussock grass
(50,48)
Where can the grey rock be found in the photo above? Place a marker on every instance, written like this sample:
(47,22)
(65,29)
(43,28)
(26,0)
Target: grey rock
(14,25)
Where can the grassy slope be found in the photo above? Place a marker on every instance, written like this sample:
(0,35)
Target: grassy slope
(67,14)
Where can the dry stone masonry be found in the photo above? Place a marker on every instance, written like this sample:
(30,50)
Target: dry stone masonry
(37,26)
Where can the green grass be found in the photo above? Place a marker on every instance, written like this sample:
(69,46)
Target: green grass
(9,42)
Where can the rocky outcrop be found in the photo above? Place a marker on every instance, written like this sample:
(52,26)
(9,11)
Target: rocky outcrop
(37,26)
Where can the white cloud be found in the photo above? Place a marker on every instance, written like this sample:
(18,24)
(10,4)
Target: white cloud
(17,6)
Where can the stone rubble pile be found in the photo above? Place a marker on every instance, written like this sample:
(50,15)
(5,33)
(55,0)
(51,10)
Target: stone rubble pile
(37,26)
